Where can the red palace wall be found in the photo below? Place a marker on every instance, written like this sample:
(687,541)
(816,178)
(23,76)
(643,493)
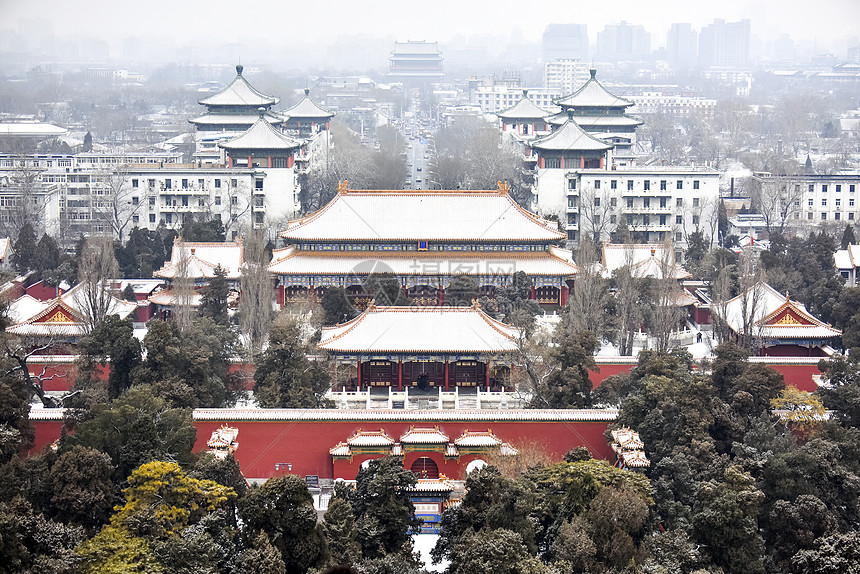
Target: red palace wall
(302,447)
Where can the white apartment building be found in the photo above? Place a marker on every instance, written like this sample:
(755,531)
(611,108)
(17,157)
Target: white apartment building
(492,99)
(673,105)
(658,203)
(565,76)
(815,199)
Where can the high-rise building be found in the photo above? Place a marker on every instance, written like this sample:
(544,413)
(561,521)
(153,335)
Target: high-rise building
(564,75)
(619,42)
(725,44)
(565,42)
(416,60)
(682,46)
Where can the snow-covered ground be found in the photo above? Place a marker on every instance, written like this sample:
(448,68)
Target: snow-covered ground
(424,543)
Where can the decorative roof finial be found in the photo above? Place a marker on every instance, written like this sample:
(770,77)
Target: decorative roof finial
(593,73)
(503,186)
(343,186)
(262,111)
(239,68)
(307,91)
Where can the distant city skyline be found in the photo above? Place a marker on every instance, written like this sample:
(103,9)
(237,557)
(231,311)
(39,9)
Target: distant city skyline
(324,20)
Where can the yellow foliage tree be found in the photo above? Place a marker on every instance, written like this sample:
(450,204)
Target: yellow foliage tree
(798,407)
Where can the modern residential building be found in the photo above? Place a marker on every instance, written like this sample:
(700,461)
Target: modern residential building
(623,42)
(564,42)
(811,199)
(675,106)
(725,44)
(682,44)
(565,75)
(497,98)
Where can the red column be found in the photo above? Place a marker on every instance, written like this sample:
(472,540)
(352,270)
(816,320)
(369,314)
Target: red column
(441,296)
(562,162)
(511,386)
(281,296)
(269,161)
(487,373)
(400,375)
(565,291)
(250,163)
(358,377)
(311,293)
(446,375)
(532,295)
(291,161)
(601,163)
(582,162)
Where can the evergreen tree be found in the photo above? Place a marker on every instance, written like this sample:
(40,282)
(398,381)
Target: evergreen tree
(46,259)
(336,306)
(24,249)
(848,237)
(213,303)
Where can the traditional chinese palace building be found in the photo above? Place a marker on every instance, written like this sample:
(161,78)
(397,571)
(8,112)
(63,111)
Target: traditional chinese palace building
(424,348)
(781,327)
(425,238)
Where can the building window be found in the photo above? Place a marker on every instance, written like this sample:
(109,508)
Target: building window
(217,200)
(679,236)
(134,183)
(679,202)
(695,202)
(168,184)
(571,184)
(823,202)
(234,200)
(663,202)
(646,219)
(258,200)
(836,216)
(811,188)
(695,184)
(217,184)
(596,184)
(613,202)
(135,219)
(629,204)
(851,216)
(234,183)
(258,218)
(135,200)
(151,202)
(838,202)
(662,220)
(838,188)
(168,218)
(596,220)
(679,220)
(596,202)
(630,185)
(851,188)
(809,215)
(679,184)
(184,183)
(201,202)
(571,219)
(613,184)
(552,163)
(152,218)
(824,188)
(695,220)
(823,216)
(646,203)
(647,185)
(662,185)
(810,202)
(258,184)
(850,202)
(613,219)
(571,235)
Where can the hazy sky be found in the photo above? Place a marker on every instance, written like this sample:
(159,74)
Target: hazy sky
(314,20)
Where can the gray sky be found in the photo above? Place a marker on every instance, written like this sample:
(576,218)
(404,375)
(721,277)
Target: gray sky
(322,20)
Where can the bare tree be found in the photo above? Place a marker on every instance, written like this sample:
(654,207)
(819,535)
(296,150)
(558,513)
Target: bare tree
(96,268)
(590,292)
(119,204)
(627,305)
(666,293)
(28,197)
(183,289)
(751,282)
(777,201)
(255,302)
(595,213)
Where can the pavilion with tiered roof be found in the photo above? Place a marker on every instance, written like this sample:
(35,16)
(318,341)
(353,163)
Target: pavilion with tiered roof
(426,239)
(307,117)
(236,107)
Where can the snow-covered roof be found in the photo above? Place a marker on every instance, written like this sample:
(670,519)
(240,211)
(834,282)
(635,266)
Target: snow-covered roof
(569,137)
(441,484)
(234,119)
(848,258)
(62,316)
(261,135)
(477,438)
(30,127)
(170,298)
(203,258)
(370,438)
(306,108)
(602,121)
(645,260)
(432,215)
(420,330)
(424,436)
(523,110)
(593,94)
(774,316)
(239,93)
(292,261)
(5,244)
